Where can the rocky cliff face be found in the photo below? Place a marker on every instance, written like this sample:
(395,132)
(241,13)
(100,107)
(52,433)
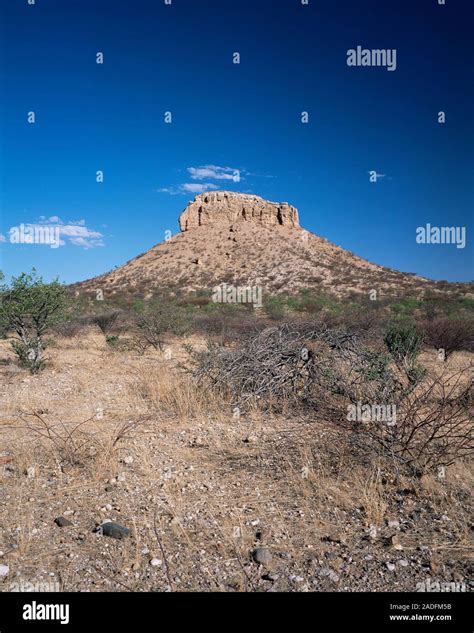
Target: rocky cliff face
(226,208)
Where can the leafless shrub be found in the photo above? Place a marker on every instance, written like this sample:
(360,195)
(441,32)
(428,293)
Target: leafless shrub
(106,321)
(230,328)
(140,345)
(71,328)
(312,367)
(304,364)
(75,442)
(449,335)
(434,424)
(71,442)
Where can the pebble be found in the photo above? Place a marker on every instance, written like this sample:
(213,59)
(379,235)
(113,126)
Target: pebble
(262,556)
(396,543)
(4,569)
(390,566)
(62,522)
(128,460)
(296,578)
(113,530)
(403,562)
(329,573)
(31,472)
(156,562)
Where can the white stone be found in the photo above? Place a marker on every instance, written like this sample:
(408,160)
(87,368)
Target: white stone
(156,562)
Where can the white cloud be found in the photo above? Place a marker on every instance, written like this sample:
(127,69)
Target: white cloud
(207,173)
(214,172)
(189,187)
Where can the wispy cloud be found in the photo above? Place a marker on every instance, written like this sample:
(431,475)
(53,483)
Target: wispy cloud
(215,172)
(198,188)
(2,238)
(207,173)
(189,187)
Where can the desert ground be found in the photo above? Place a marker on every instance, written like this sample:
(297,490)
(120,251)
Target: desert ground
(216,499)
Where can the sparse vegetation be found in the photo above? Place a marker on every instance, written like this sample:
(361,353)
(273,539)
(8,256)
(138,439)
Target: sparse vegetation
(217,427)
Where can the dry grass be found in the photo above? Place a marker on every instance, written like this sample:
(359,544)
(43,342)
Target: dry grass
(206,486)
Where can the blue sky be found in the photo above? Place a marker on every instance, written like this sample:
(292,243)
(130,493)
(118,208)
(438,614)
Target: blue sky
(109,117)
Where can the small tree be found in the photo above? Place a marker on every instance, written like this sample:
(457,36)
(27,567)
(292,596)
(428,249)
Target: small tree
(28,308)
(449,335)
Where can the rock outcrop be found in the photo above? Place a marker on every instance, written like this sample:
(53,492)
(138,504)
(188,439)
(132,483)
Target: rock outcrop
(227,207)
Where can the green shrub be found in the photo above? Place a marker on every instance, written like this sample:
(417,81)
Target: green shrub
(29,308)
(161,319)
(404,342)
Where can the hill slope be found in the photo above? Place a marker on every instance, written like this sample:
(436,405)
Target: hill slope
(246,241)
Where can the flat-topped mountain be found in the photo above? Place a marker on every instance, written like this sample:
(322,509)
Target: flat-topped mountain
(244,240)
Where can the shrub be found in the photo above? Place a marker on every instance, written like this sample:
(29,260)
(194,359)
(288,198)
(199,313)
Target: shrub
(275,307)
(156,321)
(299,363)
(434,425)
(230,326)
(449,335)
(75,443)
(71,327)
(404,342)
(29,308)
(106,321)
(405,307)
(113,341)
